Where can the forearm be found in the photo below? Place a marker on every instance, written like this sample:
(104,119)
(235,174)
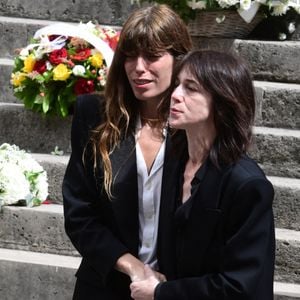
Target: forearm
(131,266)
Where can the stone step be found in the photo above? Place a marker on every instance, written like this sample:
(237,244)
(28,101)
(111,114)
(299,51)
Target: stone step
(286,291)
(49,276)
(286,202)
(287,256)
(277,151)
(33,132)
(269,60)
(41,229)
(106,12)
(38,229)
(282,66)
(31,275)
(55,166)
(6,91)
(278,104)
(17,32)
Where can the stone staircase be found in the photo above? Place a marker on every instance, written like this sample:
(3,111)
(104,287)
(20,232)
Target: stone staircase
(37,261)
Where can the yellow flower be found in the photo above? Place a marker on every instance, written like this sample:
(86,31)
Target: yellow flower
(61,72)
(29,64)
(96,60)
(17,78)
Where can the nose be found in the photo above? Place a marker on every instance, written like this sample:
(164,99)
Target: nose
(177,94)
(140,64)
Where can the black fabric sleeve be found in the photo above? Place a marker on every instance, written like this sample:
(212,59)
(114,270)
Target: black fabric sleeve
(83,223)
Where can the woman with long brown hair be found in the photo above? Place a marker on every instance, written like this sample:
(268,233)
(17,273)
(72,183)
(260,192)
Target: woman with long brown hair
(223,229)
(113,188)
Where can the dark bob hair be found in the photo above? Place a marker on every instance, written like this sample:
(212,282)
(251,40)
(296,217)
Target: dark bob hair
(228,79)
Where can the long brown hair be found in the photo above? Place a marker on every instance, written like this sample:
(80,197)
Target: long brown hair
(147,30)
(228,79)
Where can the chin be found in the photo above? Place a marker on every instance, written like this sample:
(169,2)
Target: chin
(174,125)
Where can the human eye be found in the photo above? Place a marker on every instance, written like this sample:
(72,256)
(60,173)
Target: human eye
(153,56)
(130,56)
(191,87)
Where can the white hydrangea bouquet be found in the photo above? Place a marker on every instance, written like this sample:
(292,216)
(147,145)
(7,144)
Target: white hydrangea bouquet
(23,181)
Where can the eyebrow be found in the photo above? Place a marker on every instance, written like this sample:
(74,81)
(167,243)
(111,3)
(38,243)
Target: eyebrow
(187,80)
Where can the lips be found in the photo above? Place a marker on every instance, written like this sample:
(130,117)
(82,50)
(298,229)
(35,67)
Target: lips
(174,110)
(141,81)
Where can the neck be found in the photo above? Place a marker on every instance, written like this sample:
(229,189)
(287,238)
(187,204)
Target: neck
(200,141)
(148,109)
(153,123)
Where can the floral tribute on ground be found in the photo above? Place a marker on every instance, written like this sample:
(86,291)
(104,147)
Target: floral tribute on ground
(23,181)
(61,62)
(247,9)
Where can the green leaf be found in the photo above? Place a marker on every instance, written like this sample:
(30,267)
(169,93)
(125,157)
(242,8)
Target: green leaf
(46,103)
(47,76)
(18,64)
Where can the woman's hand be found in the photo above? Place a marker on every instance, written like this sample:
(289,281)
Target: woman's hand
(144,289)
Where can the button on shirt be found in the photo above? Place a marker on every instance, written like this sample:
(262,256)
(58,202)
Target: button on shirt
(149,192)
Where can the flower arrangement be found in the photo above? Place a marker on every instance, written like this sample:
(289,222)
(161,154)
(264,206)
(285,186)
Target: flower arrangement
(61,62)
(246,8)
(23,181)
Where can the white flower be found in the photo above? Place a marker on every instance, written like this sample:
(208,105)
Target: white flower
(24,53)
(292,27)
(245,4)
(49,65)
(78,70)
(21,177)
(279,10)
(102,76)
(282,36)
(227,3)
(220,19)
(261,1)
(197,4)
(14,186)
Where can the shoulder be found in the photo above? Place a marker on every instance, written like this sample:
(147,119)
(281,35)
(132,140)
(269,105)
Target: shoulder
(89,109)
(246,169)
(90,104)
(246,177)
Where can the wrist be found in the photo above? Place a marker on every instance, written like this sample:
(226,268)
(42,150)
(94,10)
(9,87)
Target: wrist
(131,266)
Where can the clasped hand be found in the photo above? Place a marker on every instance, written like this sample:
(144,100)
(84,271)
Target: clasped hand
(143,288)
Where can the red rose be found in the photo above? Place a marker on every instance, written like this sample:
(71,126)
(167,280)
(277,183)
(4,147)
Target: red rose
(84,86)
(40,66)
(81,54)
(58,56)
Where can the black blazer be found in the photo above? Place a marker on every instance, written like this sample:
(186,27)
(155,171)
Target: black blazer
(102,229)
(218,245)
(223,243)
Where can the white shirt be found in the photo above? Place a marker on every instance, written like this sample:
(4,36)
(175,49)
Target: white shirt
(149,192)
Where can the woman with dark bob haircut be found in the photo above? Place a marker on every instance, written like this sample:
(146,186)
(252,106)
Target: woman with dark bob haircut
(222,242)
